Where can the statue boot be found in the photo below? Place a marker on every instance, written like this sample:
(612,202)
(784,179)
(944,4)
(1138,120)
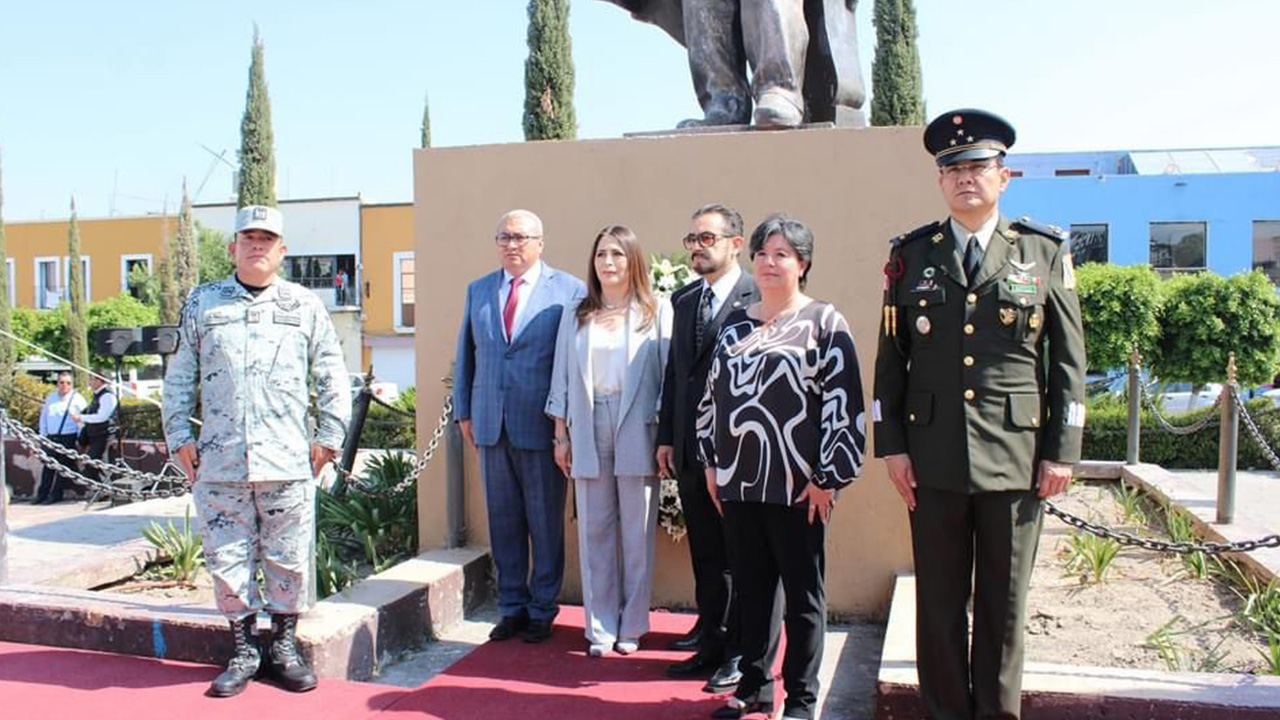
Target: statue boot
(244,665)
(776,109)
(721,110)
(286,664)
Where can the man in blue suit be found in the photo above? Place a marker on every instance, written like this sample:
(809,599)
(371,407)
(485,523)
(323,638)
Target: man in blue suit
(501,378)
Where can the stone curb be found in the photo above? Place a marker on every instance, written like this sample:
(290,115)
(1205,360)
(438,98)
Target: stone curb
(1068,692)
(348,635)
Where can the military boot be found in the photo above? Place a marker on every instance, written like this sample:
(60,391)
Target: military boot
(244,664)
(286,664)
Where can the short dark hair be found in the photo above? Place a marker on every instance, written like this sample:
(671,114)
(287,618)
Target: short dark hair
(797,234)
(65,374)
(732,218)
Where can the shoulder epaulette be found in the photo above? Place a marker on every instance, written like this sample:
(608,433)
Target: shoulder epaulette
(1052,232)
(929,230)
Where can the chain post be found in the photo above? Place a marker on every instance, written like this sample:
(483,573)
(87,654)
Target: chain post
(1135,408)
(455,485)
(1228,446)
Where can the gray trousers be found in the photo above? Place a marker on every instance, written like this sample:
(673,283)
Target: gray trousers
(260,525)
(617,521)
(724,36)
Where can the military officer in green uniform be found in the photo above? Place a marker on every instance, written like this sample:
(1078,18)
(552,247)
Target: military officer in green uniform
(979,413)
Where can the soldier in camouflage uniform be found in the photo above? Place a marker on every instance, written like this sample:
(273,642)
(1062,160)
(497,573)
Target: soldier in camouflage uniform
(979,413)
(256,346)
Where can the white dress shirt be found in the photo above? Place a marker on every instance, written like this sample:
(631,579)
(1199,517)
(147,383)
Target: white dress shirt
(530,279)
(106,407)
(984,233)
(58,407)
(721,289)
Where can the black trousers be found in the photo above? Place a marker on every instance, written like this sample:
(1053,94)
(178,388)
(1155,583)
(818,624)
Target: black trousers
(51,483)
(771,543)
(985,542)
(98,451)
(712,581)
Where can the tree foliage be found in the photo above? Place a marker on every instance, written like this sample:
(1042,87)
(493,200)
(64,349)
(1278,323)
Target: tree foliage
(7,352)
(186,251)
(1120,306)
(548,73)
(1206,316)
(897,90)
(257,145)
(46,328)
(77,331)
(169,304)
(426,121)
(215,262)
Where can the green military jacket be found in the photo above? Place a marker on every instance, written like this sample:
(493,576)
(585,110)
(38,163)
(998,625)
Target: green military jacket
(978,383)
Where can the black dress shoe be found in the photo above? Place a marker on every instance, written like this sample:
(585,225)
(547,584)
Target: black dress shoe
(736,708)
(691,640)
(508,627)
(695,666)
(726,677)
(537,631)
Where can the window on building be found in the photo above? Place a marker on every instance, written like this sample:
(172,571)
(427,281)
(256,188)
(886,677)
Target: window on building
(1071,172)
(402,269)
(134,272)
(1178,247)
(321,271)
(11,274)
(48,283)
(1015,173)
(86,276)
(1266,248)
(1089,243)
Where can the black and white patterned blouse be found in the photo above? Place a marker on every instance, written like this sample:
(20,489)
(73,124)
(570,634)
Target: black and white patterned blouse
(783,406)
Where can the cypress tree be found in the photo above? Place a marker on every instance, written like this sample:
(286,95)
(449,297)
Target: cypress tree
(548,73)
(77,322)
(257,147)
(186,251)
(167,271)
(7,354)
(426,121)
(897,97)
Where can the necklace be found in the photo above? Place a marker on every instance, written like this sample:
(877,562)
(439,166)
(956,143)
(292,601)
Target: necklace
(786,310)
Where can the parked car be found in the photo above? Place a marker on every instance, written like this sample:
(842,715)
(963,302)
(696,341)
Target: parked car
(1183,397)
(384,391)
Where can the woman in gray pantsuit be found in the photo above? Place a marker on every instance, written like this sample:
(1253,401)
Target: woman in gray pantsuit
(605,388)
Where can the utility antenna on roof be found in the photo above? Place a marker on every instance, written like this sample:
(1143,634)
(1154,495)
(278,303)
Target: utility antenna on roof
(213,165)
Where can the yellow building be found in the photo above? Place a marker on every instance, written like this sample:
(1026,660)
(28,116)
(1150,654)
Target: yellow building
(37,262)
(386,252)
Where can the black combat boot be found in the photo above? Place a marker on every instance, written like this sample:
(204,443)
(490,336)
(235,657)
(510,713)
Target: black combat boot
(244,664)
(286,664)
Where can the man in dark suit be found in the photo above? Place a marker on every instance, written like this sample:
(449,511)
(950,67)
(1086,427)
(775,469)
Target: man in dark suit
(714,243)
(502,374)
(979,413)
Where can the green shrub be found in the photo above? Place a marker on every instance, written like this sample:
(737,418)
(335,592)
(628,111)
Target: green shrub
(385,429)
(24,398)
(1105,437)
(140,420)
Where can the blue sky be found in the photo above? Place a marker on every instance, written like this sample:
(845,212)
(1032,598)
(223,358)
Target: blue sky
(113,101)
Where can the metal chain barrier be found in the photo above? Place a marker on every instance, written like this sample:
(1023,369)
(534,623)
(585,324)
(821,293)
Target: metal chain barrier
(39,446)
(1254,430)
(419,461)
(1131,540)
(1195,427)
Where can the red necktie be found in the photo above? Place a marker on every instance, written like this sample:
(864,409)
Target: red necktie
(509,312)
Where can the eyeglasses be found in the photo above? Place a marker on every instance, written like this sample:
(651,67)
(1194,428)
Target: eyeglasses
(975,169)
(702,239)
(514,239)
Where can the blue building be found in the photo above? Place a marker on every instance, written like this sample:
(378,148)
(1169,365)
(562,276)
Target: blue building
(1176,210)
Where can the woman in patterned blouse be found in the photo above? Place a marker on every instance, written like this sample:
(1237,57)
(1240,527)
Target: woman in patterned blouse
(781,428)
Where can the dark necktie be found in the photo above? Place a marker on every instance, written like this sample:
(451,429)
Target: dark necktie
(972,259)
(704,318)
(509,312)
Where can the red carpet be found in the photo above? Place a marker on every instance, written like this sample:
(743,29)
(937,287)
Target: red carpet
(557,679)
(554,680)
(44,683)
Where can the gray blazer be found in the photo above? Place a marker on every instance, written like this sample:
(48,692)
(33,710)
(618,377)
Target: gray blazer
(571,396)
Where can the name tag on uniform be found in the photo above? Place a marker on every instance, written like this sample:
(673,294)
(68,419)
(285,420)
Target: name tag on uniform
(1022,283)
(284,318)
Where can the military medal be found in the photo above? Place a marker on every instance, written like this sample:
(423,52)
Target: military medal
(1033,322)
(922,325)
(1008,315)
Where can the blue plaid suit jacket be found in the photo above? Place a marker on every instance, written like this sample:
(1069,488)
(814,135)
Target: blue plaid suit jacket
(497,384)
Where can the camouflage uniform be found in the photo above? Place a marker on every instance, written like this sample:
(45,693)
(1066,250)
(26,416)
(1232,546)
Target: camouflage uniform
(256,360)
